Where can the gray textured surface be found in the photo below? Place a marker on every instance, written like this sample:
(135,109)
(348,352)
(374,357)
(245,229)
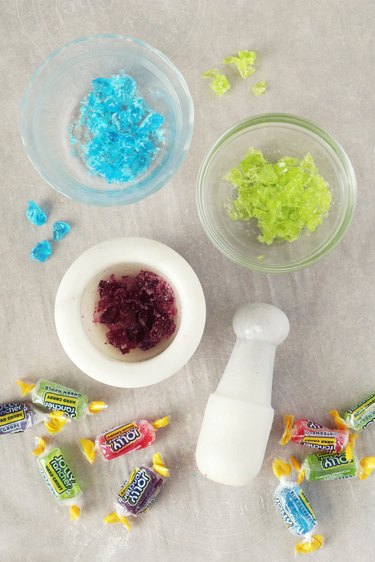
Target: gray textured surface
(319,59)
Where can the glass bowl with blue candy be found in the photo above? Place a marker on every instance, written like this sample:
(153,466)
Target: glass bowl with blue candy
(107,120)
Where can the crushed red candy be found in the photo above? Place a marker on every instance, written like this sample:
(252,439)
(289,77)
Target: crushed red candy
(138,311)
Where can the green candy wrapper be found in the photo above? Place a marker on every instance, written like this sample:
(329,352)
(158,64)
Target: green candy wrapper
(362,414)
(332,466)
(59,398)
(59,477)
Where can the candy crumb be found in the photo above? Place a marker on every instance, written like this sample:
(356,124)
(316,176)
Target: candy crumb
(60,230)
(259,88)
(244,62)
(42,251)
(35,214)
(220,83)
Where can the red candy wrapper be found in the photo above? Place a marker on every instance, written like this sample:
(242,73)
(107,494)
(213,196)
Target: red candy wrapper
(311,434)
(123,439)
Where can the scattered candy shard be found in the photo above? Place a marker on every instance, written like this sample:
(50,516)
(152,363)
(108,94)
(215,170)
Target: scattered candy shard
(244,62)
(117,135)
(60,230)
(286,197)
(220,84)
(42,251)
(259,88)
(35,214)
(139,311)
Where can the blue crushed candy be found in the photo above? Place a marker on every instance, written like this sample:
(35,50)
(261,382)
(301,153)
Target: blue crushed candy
(117,134)
(35,214)
(42,251)
(60,230)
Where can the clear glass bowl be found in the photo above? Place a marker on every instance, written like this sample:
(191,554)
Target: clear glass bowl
(51,103)
(276,135)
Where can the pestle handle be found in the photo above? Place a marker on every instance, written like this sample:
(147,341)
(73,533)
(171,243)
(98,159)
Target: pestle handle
(260,328)
(238,417)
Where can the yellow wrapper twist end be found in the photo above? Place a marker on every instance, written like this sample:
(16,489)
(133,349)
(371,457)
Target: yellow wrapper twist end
(25,387)
(75,512)
(88,449)
(40,446)
(314,543)
(159,466)
(338,420)
(288,422)
(280,468)
(298,468)
(157,424)
(350,446)
(97,406)
(116,518)
(55,422)
(366,467)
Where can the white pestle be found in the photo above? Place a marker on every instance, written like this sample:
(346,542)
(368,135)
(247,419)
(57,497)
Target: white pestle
(238,417)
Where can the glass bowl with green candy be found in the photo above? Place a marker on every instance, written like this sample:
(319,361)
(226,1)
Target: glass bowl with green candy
(276,193)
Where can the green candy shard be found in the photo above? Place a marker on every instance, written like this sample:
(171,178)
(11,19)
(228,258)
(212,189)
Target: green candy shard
(211,73)
(58,476)
(259,88)
(244,62)
(285,198)
(220,84)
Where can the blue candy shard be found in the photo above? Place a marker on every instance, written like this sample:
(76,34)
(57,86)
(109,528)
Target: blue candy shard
(117,134)
(35,214)
(42,251)
(60,230)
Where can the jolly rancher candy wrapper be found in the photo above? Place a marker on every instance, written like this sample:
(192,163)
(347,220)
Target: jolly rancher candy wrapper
(16,417)
(139,491)
(332,466)
(358,416)
(59,398)
(59,477)
(312,434)
(295,509)
(123,439)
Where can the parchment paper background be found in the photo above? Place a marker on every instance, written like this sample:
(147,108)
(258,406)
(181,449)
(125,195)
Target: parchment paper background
(319,59)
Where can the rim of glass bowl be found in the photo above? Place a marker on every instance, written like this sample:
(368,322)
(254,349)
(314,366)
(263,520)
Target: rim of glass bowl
(336,236)
(88,194)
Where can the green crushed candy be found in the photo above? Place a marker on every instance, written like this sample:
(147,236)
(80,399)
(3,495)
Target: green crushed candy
(259,88)
(286,197)
(244,62)
(220,84)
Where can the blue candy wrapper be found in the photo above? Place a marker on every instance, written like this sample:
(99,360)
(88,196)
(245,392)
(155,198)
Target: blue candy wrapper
(295,509)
